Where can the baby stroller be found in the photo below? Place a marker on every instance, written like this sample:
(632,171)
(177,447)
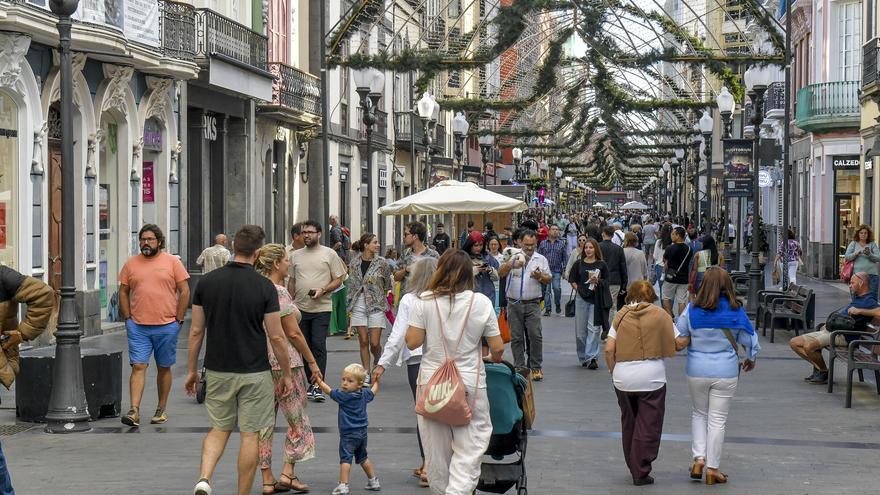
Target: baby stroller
(505,388)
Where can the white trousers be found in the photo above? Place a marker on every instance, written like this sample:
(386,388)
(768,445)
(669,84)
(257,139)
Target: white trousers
(453,453)
(711,401)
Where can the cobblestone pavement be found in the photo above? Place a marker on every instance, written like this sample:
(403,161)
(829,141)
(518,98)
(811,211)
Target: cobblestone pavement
(784,436)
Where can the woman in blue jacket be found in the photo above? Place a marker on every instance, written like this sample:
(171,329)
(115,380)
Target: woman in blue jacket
(712,328)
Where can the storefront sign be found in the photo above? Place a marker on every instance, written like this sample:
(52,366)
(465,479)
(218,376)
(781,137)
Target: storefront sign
(737,157)
(845,162)
(152,136)
(869,164)
(148,183)
(3,225)
(765,179)
(209,122)
(738,187)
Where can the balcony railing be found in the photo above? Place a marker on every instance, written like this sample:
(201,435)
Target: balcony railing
(831,105)
(380,128)
(218,35)
(294,89)
(177,29)
(869,61)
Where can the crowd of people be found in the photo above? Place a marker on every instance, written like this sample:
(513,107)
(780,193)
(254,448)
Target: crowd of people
(268,310)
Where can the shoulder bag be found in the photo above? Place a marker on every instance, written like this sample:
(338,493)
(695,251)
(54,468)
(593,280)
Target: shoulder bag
(846,271)
(504,326)
(729,335)
(444,398)
(671,274)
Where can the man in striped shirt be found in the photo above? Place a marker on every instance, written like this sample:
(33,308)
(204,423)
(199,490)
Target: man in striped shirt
(555,250)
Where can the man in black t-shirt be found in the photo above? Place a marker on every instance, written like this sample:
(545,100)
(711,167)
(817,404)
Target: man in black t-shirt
(240,307)
(441,240)
(676,259)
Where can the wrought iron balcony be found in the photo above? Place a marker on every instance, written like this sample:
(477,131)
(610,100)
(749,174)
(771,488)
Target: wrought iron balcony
(405,123)
(826,106)
(221,37)
(774,101)
(177,29)
(296,96)
(869,62)
(380,129)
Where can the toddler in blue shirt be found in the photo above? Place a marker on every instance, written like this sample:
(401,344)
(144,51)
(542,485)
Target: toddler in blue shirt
(352,398)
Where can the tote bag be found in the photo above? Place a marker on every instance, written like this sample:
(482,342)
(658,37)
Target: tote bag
(444,397)
(504,326)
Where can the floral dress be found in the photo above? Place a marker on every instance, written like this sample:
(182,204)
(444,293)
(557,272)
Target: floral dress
(299,444)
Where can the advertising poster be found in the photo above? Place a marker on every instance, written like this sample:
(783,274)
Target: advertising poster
(149,191)
(737,157)
(104,211)
(106,12)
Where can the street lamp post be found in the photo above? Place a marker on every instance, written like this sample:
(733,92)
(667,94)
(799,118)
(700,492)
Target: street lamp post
(68,411)
(429,113)
(706,127)
(517,159)
(460,128)
(369,83)
(696,140)
(726,105)
(667,178)
(486,151)
(756,79)
(558,175)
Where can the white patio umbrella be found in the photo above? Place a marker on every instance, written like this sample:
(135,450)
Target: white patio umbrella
(452,196)
(599,205)
(634,205)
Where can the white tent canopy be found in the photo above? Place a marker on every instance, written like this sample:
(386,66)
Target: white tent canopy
(452,196)
(634,205)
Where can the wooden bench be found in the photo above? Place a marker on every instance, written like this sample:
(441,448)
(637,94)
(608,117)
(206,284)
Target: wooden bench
(861,354)
(794,309)
(765,297)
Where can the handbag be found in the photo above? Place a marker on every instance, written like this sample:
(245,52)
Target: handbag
(570,306)
(528,399)
(504,326)
(444,397)
(671,274)
(846,271)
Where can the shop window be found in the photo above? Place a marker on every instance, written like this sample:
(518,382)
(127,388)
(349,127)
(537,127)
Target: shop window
(8,181)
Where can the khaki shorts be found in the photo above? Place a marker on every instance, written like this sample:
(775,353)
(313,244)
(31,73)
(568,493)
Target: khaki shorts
(247,399)
(675,292)
(823,337)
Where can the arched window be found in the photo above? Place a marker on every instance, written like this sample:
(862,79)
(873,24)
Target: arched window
(10,212)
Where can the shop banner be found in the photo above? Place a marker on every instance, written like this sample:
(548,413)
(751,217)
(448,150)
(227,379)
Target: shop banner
(142,21)
(3,225)
(737,157)
(149,191)
(845,162)
(107,12)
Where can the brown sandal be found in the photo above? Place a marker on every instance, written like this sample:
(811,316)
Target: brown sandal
(276,488)
(294,484)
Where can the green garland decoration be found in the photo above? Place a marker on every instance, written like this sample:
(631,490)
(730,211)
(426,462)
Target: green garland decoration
(762,17)
(364,11)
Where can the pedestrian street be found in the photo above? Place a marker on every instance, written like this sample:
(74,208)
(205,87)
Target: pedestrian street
(784,436)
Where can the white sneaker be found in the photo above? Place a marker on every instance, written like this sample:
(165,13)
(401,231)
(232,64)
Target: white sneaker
(373,484)
(202,488)
(341,489)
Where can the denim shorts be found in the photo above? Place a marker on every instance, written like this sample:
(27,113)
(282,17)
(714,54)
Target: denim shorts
(158,340)
(353,444)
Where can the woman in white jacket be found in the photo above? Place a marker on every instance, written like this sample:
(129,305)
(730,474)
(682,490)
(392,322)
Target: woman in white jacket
(395,352)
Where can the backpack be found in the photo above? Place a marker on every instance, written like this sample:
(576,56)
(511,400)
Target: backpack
(346,242)
(444,397)
(113,307)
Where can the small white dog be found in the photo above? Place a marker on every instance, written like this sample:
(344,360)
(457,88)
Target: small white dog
(513,253)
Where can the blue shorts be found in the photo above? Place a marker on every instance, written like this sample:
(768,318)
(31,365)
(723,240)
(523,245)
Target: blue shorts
(158,340)
(353,444)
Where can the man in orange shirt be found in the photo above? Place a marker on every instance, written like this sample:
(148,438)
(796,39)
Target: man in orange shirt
(153,296)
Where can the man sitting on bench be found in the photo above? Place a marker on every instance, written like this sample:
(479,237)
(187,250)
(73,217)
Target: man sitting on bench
(809,346)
